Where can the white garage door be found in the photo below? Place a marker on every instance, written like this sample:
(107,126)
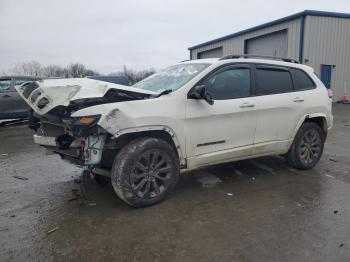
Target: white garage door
(213,53)
(274,44)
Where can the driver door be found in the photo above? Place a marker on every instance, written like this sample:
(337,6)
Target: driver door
(226,129)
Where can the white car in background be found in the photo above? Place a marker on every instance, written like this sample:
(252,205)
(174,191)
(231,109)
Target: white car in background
(192,114)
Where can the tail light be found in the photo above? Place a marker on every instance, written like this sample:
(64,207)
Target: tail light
(330,92)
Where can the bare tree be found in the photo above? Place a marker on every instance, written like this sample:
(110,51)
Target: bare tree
(135,76)
(53,71)
(34,68)
(76,70)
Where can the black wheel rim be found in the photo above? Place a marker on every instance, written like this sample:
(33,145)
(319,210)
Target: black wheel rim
(310,146)
(151,174)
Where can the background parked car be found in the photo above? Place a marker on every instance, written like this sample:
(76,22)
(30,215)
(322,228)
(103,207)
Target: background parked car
(11,103)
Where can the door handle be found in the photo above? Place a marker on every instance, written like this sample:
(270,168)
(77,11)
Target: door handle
(245,105)
(6,96)
(298,99)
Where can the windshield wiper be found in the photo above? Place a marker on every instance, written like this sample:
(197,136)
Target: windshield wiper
(165,92)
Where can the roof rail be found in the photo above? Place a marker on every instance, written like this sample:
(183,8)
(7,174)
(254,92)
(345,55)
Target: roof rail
(291,60)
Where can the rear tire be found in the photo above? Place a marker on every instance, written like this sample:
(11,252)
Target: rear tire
(307,147)
(145,171)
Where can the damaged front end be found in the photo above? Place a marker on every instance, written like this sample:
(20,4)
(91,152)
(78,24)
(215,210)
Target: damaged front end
(79,140)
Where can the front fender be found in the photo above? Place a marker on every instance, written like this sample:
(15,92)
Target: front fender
(179,147)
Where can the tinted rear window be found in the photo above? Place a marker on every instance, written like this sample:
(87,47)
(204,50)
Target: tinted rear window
(301,80)
(273,81)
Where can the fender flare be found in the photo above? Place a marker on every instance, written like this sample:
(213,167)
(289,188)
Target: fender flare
(302,120)
(166,129)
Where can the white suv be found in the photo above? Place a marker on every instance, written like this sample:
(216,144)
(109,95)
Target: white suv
(192,114)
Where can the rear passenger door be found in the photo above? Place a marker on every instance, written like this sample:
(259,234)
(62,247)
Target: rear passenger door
(277,108)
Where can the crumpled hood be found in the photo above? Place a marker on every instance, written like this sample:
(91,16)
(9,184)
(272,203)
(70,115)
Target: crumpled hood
(61,92)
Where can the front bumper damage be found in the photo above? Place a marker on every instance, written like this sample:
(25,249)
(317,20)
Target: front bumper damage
(54,101)
(78,144)
(83,151)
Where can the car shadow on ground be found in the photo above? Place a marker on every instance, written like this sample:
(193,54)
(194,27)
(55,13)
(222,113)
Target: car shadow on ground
(229,179)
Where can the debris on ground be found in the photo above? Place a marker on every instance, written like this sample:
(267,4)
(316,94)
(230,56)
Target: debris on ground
(76,195)
(229,194)
(13,216)
(92,204)
(264,167)
(207,179)
(341,245)
(237,172)
(77,181)
(292,169)
(75,191)
(21,177)
(335,212)
(4,154)
(52,230)
(332,159)
(329,176)
(253,178)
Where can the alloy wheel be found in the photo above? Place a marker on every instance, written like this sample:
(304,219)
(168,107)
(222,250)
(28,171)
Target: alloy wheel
(310,146)
(150,174)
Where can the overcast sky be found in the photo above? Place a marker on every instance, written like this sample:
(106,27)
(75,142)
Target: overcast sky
(107,34)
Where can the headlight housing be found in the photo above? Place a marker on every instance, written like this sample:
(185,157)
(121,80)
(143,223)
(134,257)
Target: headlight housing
(83,125)
(82,120)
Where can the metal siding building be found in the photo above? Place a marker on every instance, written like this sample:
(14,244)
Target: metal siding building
(318,39)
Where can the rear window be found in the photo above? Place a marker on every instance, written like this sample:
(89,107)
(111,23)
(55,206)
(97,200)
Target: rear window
(273,81)
(301,80)
(5,85)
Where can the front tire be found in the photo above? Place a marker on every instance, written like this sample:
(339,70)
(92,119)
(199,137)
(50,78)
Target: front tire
(145,171)
(307,147)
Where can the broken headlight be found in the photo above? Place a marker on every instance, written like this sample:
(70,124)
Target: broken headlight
(83,120)
(82,126)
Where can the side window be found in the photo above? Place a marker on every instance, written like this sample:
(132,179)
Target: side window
(5,85)
(301,80)
(229,84)
(273,81)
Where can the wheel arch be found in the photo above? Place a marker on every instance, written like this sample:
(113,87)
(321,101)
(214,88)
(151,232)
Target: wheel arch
(123,137)
(318,118)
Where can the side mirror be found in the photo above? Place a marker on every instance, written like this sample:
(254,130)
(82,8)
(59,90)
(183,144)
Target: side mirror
(199,92)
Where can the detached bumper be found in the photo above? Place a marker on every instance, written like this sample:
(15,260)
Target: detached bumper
(82,151)
(51,141)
